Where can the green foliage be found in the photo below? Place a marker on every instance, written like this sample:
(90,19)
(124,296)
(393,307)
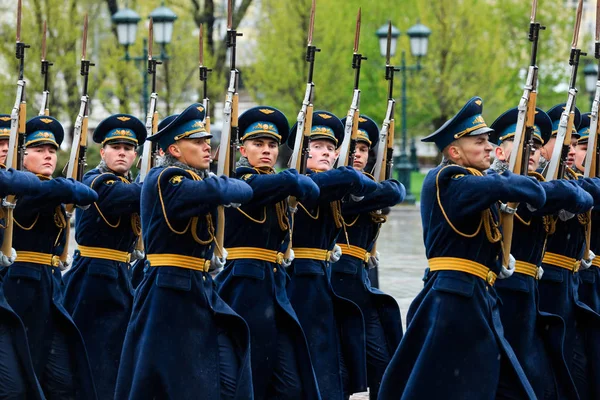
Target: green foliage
(477,47)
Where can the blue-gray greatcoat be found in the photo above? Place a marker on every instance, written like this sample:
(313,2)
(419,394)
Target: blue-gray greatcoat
(171,348)
(333,325)
(454,345)
(101,287)
(537,336)
(256,289)
(35,290)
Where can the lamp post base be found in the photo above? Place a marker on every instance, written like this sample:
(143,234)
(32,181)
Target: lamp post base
(404,168)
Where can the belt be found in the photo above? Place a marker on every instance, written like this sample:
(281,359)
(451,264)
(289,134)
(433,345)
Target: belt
(355,251)
(525,268)
(463,265)
(596,261)
(38,258)
(312,254)
(106,254)
(562,261)
(255,253)
(178,260)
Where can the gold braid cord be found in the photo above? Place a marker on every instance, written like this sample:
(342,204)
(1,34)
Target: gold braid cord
(572,175)
(282,218)
(193,222)
(492,231)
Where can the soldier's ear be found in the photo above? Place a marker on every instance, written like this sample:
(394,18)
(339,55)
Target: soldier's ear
(174,150)
(454,152)
(243,151)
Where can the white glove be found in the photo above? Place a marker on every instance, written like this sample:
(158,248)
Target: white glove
(64,265)
(5,261)
(585,264)
(217,263)
(137,255)
(292,210)
(336,253)
(508,271)
(540,273)
(565,215)
(356,198)
(373,260)
(211,174)
(288,261)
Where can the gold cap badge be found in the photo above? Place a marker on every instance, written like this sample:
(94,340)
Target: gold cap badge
(266,111)
(325,116)
(46,120)
(123,119)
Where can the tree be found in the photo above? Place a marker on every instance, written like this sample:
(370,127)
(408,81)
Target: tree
(477,47)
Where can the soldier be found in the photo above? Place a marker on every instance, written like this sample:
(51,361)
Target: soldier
(548,148)
(254,281)
(453,326)
(535,336)
(558,288)
(32,285)
(17,376)
(349,276)
(332,324)
(589,288)
(181,334)
(98,283)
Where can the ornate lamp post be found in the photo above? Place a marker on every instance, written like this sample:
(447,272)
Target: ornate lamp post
(590,72)
(127,20)
(419,40)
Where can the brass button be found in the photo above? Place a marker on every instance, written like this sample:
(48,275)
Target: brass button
(274,269)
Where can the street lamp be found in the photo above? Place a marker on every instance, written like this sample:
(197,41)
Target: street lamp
(127,20)
(419,40)
(590,72)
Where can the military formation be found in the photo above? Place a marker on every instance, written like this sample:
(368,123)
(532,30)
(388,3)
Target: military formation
(253,282)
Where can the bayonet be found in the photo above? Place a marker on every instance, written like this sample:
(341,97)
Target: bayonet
(557,166)
(44,110)
(348,146)
(203,76)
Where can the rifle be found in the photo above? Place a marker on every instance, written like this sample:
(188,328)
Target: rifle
(591,156)
(385,148)
(16,139)
(44,110)
(76,165)
(348,146)
(523,140)
(300,152)
(304,119)
(229,134)
(203,76)
(150,149)
(558,162)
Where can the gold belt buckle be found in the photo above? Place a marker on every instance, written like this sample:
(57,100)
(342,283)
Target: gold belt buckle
(55,261)
(206,265)
(128,259)
(490,278)
(576,266)
(328,256)
(279,258)
(366,258)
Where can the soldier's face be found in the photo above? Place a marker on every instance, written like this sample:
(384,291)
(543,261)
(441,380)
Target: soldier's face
(322,155)
(580,152)
(361,156)
(40,159)
(571,155)
(472,151)
(504,151)
(261,152)
(193,152)
(118,157)
(3,150)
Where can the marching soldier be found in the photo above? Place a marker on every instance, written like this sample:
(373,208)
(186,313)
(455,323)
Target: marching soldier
(181,335)
(453,326)
(349,276)
(32,285)
(17,376)
(332,324)
(535,336)
(98,292)
(558,288)
(548,148)
(254,281)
